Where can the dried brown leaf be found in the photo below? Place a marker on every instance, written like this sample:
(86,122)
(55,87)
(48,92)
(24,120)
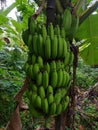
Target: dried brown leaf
(80,127)
(15,121)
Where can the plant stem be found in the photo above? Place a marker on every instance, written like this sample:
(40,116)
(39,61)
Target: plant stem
(39,10)
(77,6)
(50,12)
(72,90)
(57,122)
(88,12)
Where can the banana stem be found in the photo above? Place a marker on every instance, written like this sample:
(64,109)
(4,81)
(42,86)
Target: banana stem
(72,92)
(39,10)
(88,12)
(50,12)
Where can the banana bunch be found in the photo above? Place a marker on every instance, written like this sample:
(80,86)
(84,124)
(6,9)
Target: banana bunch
(70,23)
(49,43)
(47,68)
(44,101)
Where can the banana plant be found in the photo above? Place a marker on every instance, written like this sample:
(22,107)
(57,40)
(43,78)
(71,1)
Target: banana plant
(88,26)
(87,30)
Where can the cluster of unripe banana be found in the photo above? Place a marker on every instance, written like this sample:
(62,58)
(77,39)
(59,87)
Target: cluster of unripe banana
(48,87)
(69,22)
(47,68)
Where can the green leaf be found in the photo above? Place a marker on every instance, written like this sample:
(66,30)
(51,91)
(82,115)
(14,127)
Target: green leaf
(1,44)
(17,25)
(89,31)
(9,9)
(9,29)
(1,31)
(3,19)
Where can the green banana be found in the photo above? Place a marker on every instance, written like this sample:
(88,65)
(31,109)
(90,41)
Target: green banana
(51,30)
(63,33)
(74,27)
(54,78)
(59,109)
(50,98)
(35,40)
(58,65)
(45,106)
(67,79)
(64,48)
(33,87)
(63,92)
(54,47)
(64,78)
(57,30)
(36,69)
(30,44)
(60,77)
(65,103)
(32,26)
(47,67)
(60,47)
(25,36)
(38,102)
(75,24)
(52,66)
(30,71)
(67,19)
(69,84)
(39,79)
(62,66)
(52,109)
(38,28)
(40,62)
(41,91)
(34,95)
(57,97)
(47,48)
(45,79)
(40,45)
(49,90)
(34,112)
(67,58)
(44,33)
(26,67)
(33,59)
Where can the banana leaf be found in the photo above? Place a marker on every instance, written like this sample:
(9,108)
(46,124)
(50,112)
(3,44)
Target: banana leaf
(89,30)
(9,9)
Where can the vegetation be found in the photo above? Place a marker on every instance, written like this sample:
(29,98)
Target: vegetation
(12,60)
(14,55)
(86,75)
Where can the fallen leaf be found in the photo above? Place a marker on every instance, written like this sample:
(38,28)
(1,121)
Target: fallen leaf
(15,121)
(80,127)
